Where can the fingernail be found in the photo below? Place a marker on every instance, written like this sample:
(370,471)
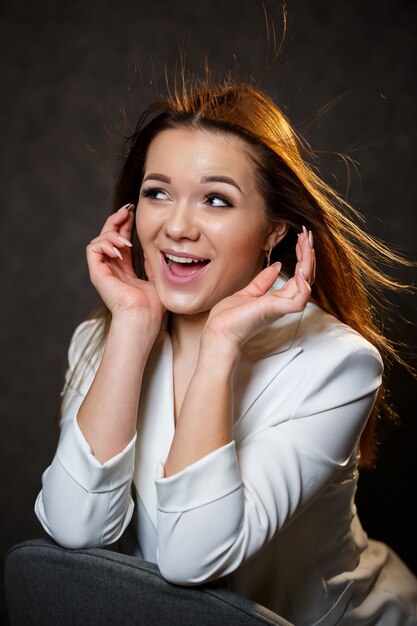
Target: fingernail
(118,253)
(310,239)
(129,206)
(278,265)
(124,240)
(305,232)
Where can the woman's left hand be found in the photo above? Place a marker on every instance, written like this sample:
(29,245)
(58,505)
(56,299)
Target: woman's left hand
(237,318)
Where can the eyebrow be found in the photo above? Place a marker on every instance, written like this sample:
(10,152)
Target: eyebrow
(221,179)
(160,177)
(206,179)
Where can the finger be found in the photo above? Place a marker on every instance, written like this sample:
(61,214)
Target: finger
(313,274)
(302,283)
(114,246)
(115,238)
(292,305)
(263,281)
(124,241)
(305,261)
(97,250)
(127,226)
(116,220)
(305,254)
(294,297)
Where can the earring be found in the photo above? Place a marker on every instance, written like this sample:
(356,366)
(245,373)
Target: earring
(268,256)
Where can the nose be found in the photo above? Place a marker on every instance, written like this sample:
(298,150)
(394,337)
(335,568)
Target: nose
(181,222)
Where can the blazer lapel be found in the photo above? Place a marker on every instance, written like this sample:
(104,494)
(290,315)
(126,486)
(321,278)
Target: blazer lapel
(155,421)
(251,382)
(263,358)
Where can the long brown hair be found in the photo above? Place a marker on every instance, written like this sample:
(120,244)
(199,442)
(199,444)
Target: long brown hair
(348,279)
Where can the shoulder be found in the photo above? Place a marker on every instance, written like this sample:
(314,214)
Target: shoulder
(321,336)
(331,378)
(317,341)
(335,361)
(315,352)
(85,349)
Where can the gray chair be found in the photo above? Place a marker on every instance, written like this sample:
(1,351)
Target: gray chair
(49,585)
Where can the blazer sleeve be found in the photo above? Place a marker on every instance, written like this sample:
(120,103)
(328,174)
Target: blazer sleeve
(84,503)
(223,509)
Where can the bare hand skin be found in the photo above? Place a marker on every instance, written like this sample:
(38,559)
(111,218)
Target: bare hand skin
(110,264)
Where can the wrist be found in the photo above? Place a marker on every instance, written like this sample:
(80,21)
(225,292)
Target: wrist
(218,355)
(135,325)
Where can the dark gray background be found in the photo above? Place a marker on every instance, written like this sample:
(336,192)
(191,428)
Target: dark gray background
(68,70)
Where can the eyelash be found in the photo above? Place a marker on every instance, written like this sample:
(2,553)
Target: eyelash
(152,192)
(219,197)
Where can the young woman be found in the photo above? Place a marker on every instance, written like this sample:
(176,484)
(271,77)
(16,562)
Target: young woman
(219,404)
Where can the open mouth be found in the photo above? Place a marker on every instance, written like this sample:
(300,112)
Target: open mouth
(184,265)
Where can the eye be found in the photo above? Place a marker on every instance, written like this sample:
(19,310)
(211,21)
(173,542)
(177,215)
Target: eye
(216,200)
(154,193)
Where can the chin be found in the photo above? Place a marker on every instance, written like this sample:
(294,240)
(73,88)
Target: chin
(184,305)
(183,309)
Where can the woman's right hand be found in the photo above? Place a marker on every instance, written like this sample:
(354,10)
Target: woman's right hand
(109,261)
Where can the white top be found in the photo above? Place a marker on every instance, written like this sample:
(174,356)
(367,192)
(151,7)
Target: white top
(273,509)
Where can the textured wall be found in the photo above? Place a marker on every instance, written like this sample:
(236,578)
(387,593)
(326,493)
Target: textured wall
(67,72)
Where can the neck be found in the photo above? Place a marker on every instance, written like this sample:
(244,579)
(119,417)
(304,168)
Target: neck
(186,331)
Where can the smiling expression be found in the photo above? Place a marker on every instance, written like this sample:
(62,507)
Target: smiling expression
(200,218)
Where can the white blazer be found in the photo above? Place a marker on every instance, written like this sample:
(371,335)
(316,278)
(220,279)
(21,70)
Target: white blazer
(274,509)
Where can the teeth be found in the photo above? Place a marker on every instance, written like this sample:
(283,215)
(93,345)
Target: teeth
(181,259)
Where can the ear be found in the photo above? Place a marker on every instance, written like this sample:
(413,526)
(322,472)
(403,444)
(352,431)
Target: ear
(276,234)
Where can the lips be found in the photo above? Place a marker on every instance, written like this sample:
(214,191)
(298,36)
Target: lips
(182,266)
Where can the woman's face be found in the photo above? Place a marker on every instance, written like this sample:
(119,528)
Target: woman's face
(200,219)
